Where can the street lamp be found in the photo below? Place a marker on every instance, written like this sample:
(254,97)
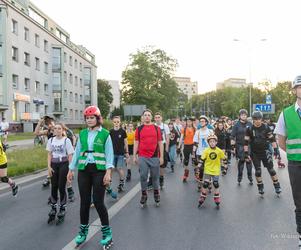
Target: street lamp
(250,68)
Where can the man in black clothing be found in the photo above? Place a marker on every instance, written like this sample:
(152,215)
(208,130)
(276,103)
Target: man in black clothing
(120,145)
(258,138)
(237,142)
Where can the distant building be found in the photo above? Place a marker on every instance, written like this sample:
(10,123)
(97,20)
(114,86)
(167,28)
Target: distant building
(187,86)
(41,71)
(232,82)
(115,90)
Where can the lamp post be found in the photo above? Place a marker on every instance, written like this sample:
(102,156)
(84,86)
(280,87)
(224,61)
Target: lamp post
(250,69)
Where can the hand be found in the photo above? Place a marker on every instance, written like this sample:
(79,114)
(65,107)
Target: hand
(107,178)
(161,161)
(135,159)
(247,157)
(70,176)
(276,153)
(50,171)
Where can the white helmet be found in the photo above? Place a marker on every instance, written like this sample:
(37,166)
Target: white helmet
(297,81)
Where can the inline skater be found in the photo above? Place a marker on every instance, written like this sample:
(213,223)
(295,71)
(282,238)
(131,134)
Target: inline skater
(221,134)
(257,140)
(172,146)
(93,157)
(60,152)
(130,139)
(237,145)
(229,126)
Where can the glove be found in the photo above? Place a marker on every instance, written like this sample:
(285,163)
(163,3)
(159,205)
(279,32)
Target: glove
(276,153)
(178,150)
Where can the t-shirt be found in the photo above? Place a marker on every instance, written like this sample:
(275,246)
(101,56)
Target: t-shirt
(118,137)
(212,158)
(200,137)
(4,126)
(173,137)
(189,134)
(148,140)
(130,137)
(164,131)
(59,147)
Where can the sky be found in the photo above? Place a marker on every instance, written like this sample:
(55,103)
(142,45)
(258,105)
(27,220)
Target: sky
(199,34)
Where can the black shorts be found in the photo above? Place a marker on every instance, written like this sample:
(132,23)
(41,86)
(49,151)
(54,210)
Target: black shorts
(3,166)
(131,149)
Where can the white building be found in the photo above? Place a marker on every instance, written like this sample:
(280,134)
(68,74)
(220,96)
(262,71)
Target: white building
(232,82)
(41,70)
(187,86)
(115,90)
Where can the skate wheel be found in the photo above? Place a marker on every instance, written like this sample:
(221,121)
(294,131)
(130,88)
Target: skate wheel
(158,204)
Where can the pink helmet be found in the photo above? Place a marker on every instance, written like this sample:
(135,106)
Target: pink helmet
(92,110)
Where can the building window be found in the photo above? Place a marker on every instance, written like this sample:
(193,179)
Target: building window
(26,34)
(15,54)
(27,107)
(46,67)
(37,87)
(57,101)
(71,97)
(81,82)
(65,94)
(80,66)
(87,76)
(15,79)
(27,84)
(70,78)
(14,26)
(70,60)
(46,89)
(26,58)
(37,40)
(66,113)
(75,63)
(65,76)
(56,81)
(76,80)
(65,57)
(81,114)
(37,63)
(56,59)
(71,114)
(81,99)
(46,109)
(37,108)
(76,114)
(76,98)
(45,45)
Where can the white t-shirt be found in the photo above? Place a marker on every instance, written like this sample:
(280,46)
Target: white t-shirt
(60,147)
(200,137)
(164,131)
(4,126)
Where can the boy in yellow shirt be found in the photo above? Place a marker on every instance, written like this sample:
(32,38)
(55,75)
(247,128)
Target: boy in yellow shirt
(211,160)
(3,170)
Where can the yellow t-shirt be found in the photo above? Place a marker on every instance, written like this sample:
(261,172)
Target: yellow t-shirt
(3,158)
(130,137)
(212,158)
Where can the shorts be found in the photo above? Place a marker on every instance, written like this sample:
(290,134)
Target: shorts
(131,149)
(3,166)
(119,161)
(211,177)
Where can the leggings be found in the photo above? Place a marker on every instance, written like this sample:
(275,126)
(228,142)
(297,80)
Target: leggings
(58,181)
(187,152)
(88,179)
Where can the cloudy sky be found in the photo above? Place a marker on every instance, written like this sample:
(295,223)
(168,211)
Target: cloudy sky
(198,33)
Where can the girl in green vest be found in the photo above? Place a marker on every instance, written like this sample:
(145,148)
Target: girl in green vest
(94,160)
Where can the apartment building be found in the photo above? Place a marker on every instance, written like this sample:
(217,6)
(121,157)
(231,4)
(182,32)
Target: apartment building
(232,82)
(187,86)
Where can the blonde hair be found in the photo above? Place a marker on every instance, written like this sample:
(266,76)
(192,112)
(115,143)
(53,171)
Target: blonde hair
(63,127)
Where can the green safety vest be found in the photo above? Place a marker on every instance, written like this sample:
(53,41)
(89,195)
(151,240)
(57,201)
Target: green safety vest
(293,132)
(98,149)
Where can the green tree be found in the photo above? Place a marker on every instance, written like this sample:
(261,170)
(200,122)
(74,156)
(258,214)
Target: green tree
(104,96)
(148,80)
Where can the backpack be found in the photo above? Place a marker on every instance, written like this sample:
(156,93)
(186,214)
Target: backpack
(70,134)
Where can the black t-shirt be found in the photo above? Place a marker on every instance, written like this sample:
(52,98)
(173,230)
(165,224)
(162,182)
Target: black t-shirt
(118,137)
(173,137)
(259,138)
(221,138)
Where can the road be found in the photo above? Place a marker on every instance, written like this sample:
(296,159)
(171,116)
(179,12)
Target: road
(244,221)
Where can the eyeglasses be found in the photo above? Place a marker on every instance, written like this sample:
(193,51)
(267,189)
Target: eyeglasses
(202,121)
(116,122)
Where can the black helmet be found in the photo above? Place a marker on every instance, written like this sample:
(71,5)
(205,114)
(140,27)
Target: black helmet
(257,115)
(243,112)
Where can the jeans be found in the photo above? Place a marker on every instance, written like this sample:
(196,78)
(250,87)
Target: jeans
(172,154)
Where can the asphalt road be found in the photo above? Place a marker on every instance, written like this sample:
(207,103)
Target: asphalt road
(244,221)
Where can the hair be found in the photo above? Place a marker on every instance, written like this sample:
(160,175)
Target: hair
(147,110)
(158,113)
(64,127)
(116,117)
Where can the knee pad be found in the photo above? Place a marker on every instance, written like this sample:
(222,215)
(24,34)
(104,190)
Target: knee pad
(272,171)
(206,184)
(4,179)
(216,184)
(258,172)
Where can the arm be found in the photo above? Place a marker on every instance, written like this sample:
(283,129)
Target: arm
(50,170)
(75,157)
(136,146)
(160,143)
(167,142)
(109,151)
(282,142)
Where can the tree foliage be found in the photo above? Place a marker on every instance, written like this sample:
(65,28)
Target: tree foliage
(104,96)
(148,80)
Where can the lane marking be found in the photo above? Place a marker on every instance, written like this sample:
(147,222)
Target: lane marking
(96,225)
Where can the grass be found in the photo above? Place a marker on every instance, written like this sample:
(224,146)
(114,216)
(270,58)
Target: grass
(20,136)
(24,161)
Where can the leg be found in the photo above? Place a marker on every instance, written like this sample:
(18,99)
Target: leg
(217,198)
(63,171)
(120,169)
(204,190)
(6,179)
(241,162)
(257,164)
(84,186)
(154,164)
(54,183)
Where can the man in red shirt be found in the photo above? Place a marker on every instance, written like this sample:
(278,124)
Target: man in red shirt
(148,144)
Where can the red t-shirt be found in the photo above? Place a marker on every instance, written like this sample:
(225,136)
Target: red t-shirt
(148,141)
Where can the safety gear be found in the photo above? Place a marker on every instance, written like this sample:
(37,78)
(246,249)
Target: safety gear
(297,81)
(92,110)
(257,115)
(243,112)
(205,118)
(212,136)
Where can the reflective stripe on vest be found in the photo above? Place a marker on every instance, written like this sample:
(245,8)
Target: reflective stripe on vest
(293,141)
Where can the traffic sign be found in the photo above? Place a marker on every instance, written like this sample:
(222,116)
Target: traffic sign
(265,108)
